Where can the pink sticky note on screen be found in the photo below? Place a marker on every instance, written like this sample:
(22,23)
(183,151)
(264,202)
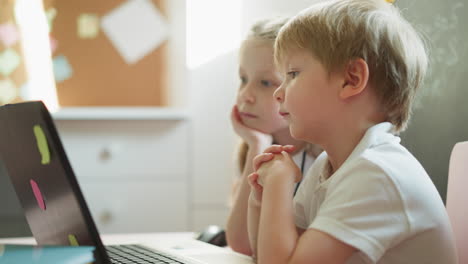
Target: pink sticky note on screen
(38,195)
(8,34)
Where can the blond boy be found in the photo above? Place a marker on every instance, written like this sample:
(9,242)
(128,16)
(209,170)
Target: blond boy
(352,68)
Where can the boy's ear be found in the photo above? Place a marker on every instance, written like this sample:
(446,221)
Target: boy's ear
(356,77)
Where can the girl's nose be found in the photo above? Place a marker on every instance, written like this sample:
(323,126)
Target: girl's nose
(247,95)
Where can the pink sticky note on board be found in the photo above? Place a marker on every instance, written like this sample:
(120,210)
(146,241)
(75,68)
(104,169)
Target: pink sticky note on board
(38,195)
(53,44)
(9,34)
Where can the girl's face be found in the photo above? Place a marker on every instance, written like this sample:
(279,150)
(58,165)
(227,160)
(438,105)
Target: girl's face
(259,79)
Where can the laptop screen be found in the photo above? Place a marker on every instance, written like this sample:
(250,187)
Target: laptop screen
(43,179)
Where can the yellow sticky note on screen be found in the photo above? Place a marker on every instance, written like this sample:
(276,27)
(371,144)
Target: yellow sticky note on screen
(72,240)
(42,144)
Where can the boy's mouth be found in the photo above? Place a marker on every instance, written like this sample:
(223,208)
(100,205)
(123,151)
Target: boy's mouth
(247,114)
(284,114)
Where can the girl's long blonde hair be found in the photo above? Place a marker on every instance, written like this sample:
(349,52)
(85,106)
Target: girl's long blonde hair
(267,30)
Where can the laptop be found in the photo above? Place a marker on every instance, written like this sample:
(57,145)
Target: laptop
(54,206)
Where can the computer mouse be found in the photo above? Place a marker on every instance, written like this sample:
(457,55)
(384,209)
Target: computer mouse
(214,235)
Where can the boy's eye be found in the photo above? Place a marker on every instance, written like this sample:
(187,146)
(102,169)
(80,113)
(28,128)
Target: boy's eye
(266,83)
(293,74)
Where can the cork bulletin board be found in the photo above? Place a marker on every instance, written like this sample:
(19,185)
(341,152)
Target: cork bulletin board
(89,68)
(13,74)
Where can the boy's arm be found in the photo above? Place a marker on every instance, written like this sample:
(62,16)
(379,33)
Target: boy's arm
(278,238)
(280,242)
(277,234)
(236,228)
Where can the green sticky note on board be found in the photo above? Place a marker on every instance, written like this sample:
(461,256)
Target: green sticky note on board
(42,144)
(8,91)
(51,13)
(72,240)
(9,61)
(62,68)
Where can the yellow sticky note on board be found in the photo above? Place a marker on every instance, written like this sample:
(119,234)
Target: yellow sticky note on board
(72,240)
(42,144)
(2,249)
(88,26)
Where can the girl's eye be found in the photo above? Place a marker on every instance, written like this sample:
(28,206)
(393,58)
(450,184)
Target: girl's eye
(243,80)
(293,74)
(266,83)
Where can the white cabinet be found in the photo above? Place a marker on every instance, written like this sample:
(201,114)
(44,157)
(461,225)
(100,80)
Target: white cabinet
(135,149)
(134,174)
(125,206)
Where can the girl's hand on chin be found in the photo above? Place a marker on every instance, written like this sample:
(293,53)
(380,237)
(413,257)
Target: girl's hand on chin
(249,135)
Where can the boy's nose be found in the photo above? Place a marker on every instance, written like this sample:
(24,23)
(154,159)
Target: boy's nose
(279,94)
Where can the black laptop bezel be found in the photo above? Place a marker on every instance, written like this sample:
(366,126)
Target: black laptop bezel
(6,116)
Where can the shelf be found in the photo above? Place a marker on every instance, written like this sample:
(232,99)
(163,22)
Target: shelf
(120,113)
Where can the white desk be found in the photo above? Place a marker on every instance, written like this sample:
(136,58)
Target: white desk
(157,239)
(177,243)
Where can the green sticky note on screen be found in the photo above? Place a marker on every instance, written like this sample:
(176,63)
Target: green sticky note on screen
(73,241)
(42,144)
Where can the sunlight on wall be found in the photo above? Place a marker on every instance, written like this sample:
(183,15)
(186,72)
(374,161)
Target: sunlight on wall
(213,29)
(36,47)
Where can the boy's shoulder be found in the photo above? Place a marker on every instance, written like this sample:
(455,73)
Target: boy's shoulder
(392,158)
(380,150)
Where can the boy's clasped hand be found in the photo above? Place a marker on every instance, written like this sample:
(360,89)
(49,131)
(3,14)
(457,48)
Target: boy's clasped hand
(276,166)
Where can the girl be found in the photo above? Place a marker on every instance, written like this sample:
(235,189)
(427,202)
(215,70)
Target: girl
(257,120)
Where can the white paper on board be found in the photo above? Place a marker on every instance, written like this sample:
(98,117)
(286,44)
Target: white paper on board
(135,28)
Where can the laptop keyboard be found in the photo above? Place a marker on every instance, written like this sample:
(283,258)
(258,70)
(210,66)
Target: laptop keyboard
(135,254)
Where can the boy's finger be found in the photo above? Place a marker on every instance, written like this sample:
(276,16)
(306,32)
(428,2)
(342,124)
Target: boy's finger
(261,158)
(252,178)
(288,157)
(274,149)
(253,181)
(289,148)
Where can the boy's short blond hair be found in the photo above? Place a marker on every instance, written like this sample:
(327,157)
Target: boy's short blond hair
(339,31)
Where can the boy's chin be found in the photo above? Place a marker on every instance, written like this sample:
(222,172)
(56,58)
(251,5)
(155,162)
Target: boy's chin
(297,134)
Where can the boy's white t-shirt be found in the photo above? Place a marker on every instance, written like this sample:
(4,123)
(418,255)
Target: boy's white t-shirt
(380,201)
(299,157)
